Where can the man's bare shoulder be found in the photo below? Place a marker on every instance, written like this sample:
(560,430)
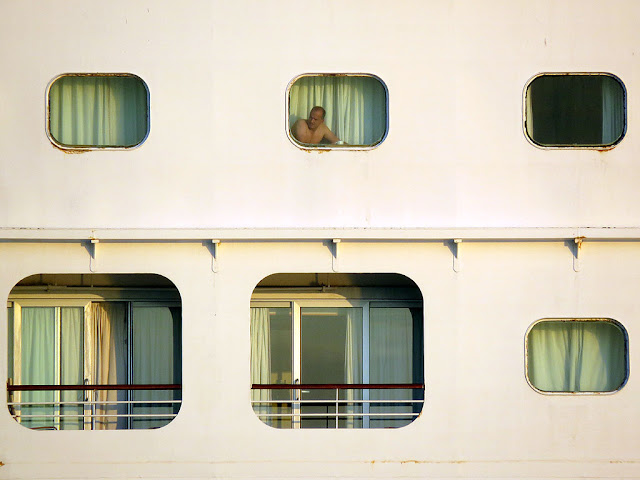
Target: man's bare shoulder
(300,126)
(323,128)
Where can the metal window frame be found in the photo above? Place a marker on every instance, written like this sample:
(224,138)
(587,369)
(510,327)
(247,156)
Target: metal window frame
(322,147)
(83,300)
(87,148)
(569,320)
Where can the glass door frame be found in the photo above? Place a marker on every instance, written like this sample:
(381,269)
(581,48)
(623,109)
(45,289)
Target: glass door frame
(296,301)
(16,335)
(83,300)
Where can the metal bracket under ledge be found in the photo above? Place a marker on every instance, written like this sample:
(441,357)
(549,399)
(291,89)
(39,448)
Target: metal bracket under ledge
(93,255)
(577,254)
(334,259)
(457,260)
(215,253)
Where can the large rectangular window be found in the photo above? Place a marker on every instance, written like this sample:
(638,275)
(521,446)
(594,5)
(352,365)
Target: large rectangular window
(94,358)
(98,111)
(344,360)
(329,110)
(576,355)
(575,110)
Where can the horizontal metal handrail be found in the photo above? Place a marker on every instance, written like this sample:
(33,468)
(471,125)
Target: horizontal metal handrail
(324,401)
(96,402)
(340,414)
(40,388)
(99,415)
(271,409)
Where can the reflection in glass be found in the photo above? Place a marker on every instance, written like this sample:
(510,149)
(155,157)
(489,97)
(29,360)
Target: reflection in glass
(331,353)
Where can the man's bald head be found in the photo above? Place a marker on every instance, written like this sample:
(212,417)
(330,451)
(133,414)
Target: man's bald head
(316,118)
(319,110)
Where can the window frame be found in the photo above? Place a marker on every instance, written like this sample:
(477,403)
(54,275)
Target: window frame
(296,300)
(79,297)
(87,148)
(583,320)
(340,147)
(569,146)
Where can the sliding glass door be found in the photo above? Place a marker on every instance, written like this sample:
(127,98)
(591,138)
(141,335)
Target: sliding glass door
(327,345)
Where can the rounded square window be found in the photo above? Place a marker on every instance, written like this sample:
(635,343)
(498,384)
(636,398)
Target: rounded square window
(94,352)
(98,111)
(575,110)
(337,111)
(337,351)
(577,356)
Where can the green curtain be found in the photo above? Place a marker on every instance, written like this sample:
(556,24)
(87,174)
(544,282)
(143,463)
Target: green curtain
(38,365)
(98,111)
(576,356)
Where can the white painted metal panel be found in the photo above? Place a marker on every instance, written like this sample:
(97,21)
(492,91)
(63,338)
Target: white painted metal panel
(218,165)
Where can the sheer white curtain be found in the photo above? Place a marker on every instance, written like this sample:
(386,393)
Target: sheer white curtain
(107,360)
(71,365)
(154,362)
(353,363)
(261,359)
(355,105)
(391,360)
(587,356)
(98,110)
(612,110)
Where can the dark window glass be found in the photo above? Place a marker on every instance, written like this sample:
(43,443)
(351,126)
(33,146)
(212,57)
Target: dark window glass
(575,110)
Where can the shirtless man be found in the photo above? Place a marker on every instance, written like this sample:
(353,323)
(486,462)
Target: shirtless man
(314,129)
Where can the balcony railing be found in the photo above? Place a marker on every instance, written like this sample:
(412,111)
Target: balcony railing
(94,411)
(338,405)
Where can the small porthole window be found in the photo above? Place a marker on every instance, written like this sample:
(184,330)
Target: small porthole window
(575,110)
(577,356)
(337,111)
(98,111)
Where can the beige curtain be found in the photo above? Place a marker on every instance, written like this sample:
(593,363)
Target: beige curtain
(108,362)
(261,360)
